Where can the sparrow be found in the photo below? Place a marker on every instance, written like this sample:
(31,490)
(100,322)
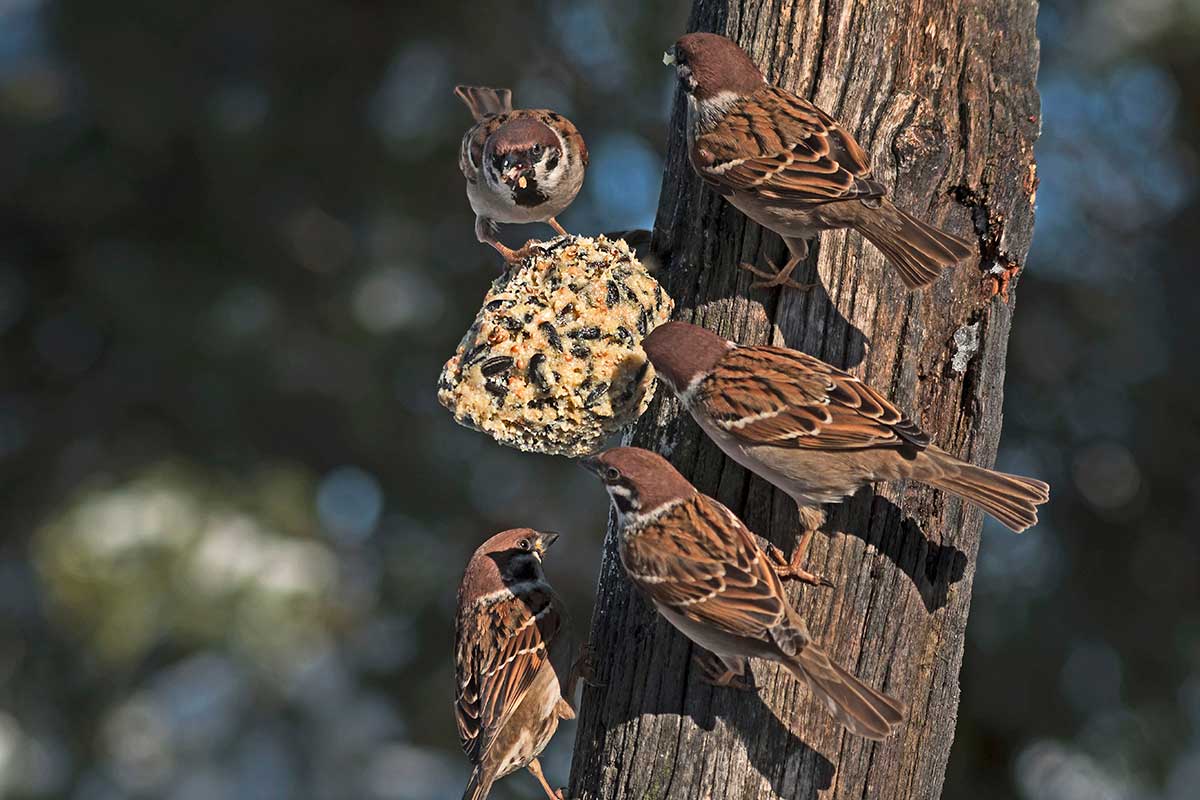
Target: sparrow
(521,166)
(512,665)
(816,432)
(706,573)
(791,167)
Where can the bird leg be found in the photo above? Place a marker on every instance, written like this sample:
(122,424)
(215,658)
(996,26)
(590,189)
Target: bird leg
(485,231)
(781,276)
(584,668)
(790,567)
(553,223)
(535,767)
(724,672)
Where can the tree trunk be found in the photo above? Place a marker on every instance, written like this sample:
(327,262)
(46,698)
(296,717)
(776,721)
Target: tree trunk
(942,94)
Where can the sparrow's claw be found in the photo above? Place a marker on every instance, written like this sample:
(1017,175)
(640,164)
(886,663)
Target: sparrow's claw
(715,671)
(778,276)
(997,283)
(796,573)
(512,256)
(585,666)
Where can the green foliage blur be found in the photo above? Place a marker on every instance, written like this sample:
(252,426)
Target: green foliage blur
(234,252)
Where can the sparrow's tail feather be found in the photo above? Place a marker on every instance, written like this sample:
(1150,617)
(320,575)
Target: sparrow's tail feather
(478,787)
(919,252)
(859,708)
(485,101)
(1012,499)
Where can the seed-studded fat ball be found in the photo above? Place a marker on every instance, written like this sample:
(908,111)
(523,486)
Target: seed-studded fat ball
(553,361)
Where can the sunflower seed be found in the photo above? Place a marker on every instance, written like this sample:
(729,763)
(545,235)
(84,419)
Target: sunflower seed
(474,355)
(495,365)
(595,395)
(539,372)
(551,336)
(496,388)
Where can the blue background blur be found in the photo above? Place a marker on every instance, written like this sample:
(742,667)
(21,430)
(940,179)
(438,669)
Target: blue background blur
(234,252)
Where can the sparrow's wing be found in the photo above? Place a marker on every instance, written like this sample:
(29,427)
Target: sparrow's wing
(699,560)
(780,397)
(499,651)
(785,149)
(470,155)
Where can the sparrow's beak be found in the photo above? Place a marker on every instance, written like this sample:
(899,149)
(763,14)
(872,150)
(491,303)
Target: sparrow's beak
(544,540)
(669,56)
(516,172)
(519,177)
(591,464)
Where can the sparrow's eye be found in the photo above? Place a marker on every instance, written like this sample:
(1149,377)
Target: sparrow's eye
(537,151)
(525,544)
(612,474)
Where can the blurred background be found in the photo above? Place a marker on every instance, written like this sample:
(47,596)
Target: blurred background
(234,252)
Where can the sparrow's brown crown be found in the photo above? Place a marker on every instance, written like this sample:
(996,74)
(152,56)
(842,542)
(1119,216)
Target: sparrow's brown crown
(638,478)
(505,558)
(710,64)
(522,135)
(680,352)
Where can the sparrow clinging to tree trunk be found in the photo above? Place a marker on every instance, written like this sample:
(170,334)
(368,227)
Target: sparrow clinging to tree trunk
(521,166)
(709,577)
(816,432)
(512,660)
(791,167)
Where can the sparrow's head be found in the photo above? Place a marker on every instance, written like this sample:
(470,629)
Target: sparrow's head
(524,157)
(639,482)
(683,354)
(708,64)
(508,558)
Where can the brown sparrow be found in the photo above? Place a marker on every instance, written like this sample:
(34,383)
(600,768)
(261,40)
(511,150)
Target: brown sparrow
(816,432)
(521,166)
(791,167)
(706,573)
(512,660)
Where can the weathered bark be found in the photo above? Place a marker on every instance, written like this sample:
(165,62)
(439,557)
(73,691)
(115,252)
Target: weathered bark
(942,94)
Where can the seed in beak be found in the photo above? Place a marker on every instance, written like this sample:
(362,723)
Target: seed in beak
(668,58)
(522,182)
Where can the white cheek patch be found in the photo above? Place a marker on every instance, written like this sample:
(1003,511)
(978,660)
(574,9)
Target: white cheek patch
(622,498)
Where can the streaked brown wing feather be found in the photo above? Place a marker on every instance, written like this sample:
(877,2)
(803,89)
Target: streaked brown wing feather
(499,652)
(784,148)
(781,397)
(699,560)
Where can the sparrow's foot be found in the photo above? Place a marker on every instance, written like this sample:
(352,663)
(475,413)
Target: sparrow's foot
(585,666)
(791,568)
(778,276)
(535,767)
(553,223)
(997,283)
(714,670)
(509,255)
(796,573)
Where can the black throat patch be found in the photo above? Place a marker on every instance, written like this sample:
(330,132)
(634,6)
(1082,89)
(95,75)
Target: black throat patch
(530,196)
